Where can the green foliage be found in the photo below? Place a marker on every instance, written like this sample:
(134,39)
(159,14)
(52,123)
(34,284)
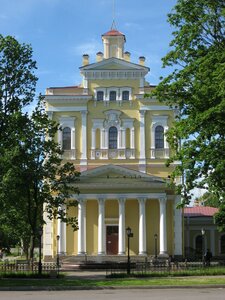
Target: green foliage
(196,90)
(32,175)
(209,199)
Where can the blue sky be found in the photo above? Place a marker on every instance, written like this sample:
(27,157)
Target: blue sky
(60,31)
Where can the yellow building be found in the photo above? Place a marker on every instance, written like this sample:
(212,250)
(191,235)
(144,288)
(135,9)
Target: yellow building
(116,138)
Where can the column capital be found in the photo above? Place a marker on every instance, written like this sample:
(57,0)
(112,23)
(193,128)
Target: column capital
(122,200)
(142,113)
(142,200)
(163,199)
(84,112)
(101,200)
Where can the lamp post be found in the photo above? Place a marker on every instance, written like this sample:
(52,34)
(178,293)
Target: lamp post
(129,235)
(57,257)
(40,232)
(156,238)
(203,246)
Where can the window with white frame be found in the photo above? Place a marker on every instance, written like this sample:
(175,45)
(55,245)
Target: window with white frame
(112,96)
(100,95)
(125,95)
(159,137)
(113,133)
(66,138)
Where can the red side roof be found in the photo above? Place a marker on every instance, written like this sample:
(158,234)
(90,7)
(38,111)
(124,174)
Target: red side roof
(200,211)
(113,32)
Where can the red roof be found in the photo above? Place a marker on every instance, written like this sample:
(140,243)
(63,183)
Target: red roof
(200,211)
(113,32)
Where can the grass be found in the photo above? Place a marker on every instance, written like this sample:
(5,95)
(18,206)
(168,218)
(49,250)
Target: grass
(194,277)
(113,282)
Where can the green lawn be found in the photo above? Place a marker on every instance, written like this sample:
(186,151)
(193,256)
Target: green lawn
(180,281)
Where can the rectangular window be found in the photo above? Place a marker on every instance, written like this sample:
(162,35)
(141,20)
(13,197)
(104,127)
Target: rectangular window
(125,95)
(112,96)
(100,96)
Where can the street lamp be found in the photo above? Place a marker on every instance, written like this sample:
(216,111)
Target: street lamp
(203,246)
(129,235)
(40,232)
(57,257)
(156,238)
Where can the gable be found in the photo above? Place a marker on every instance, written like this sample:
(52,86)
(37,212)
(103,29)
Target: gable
(114,171)
(114,64)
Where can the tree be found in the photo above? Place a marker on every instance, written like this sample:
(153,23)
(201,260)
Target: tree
(36,176)
(196,88)
(32,174)
(208,199)
(17,89)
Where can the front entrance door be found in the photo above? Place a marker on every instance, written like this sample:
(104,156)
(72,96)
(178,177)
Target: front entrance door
(112,240)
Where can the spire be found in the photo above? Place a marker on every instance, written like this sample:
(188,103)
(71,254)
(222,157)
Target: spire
(113,27)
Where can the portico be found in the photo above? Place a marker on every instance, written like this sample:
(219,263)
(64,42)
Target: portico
(121,210)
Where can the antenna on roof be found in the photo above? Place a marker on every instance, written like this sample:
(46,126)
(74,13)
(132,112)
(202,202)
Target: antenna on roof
(113,27)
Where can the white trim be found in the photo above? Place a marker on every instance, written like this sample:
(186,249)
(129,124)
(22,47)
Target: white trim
(156,107)
(66,108)
(148,196)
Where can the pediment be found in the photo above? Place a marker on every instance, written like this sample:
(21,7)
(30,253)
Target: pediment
(118,172)
(114,64)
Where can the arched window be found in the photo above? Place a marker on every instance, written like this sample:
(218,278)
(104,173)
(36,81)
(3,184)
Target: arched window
(66,138)
(113,137)
(100,96)
(112,96)
(125,95)
(222,244)
(159,137)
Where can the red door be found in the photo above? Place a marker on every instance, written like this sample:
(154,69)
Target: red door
(112,240)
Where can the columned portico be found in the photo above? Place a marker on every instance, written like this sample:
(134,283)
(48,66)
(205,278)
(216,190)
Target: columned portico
(121,226)
(142,227)
(82,227)
(162,227)
(101,226)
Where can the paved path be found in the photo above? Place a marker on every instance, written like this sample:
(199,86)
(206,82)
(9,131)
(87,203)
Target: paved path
(159,294)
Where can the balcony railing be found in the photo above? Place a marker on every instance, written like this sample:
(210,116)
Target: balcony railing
(69,154)
(113,153)
(163,153)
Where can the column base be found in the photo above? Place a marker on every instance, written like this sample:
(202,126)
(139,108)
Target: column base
(163,255)
(122,253)
(82,254)
(101,253)
(144,253)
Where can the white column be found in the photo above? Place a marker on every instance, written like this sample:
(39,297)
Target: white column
(142,227)
(82,227)
(123,138)
(84,137)
(142,158)
(121,226)
(119,139)
(93,138)
(47,235)
(162,228)
(93,142)
(61,231)
(73,143)
(132,138)
(60,138)
(101,227)
(178,238)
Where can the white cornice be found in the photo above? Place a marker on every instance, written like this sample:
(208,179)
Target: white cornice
(156,107)
(69,98)
(66,108)
(115,196)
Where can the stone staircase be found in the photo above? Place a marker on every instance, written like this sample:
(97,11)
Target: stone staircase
(101,262)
